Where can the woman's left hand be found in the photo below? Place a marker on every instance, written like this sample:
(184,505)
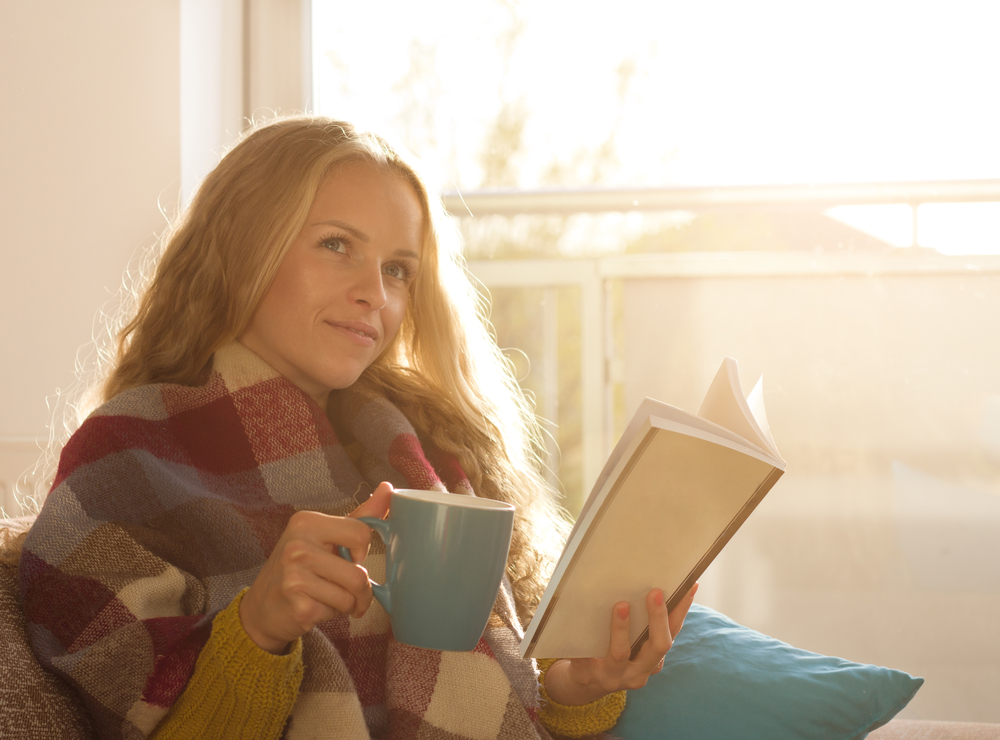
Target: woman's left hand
(575,681)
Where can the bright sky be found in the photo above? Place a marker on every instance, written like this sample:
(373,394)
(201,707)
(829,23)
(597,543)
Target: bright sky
(722,92)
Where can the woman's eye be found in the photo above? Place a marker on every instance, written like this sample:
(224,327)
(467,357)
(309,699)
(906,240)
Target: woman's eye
(399,271)
(335,244)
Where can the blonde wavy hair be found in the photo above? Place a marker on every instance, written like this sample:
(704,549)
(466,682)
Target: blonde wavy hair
(443,369)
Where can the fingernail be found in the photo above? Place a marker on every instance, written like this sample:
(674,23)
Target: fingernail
(658,597)
(623,611)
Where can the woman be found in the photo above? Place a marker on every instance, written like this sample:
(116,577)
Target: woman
(306,340)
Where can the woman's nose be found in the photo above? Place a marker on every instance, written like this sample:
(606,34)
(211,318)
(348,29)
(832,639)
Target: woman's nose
(369,287)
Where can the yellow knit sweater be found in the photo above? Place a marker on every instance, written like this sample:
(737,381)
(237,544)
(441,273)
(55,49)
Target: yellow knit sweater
(239,690)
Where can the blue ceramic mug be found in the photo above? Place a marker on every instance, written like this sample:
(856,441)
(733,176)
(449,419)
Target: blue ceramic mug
(445,557)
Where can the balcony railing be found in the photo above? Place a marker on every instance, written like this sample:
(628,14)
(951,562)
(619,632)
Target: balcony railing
(702,199)
(593,276)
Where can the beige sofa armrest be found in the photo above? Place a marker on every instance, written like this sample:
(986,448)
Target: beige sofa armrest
(909,729)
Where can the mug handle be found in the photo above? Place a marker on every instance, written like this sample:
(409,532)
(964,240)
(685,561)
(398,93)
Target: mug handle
(381,591)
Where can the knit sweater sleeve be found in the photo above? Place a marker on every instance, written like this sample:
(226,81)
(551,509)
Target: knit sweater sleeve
(578,721)
(237,689)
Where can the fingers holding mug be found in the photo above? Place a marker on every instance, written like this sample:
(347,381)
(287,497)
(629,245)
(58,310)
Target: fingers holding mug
(304,582)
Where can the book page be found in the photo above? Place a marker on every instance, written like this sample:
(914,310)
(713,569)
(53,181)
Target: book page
(725,405)
(677,500)
(652,408)
(675,420)
(756,403)
(690,480)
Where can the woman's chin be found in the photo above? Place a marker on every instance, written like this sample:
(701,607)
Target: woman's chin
(344,377)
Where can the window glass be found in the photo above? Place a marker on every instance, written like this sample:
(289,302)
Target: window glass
(875,324)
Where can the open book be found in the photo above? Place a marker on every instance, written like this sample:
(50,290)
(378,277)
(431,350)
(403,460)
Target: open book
(674,491)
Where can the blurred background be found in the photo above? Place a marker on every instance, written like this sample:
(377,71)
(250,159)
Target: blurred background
(811,188)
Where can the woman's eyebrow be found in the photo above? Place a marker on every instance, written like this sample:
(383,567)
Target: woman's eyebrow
(362,236)
(346,227)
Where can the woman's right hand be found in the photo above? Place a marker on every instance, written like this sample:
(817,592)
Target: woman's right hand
(304,581)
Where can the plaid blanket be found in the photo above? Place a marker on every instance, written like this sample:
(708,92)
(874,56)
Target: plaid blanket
(166,504)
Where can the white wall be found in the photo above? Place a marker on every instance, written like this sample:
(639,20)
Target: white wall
(235,69)
(212,109)
(89,153)
(112,111)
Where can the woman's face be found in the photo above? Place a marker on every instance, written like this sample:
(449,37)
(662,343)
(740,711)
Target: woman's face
(341,291)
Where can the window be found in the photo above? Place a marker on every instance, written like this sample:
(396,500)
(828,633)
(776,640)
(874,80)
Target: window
(645,160)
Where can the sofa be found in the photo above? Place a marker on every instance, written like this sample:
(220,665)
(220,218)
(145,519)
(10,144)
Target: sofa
(37,705)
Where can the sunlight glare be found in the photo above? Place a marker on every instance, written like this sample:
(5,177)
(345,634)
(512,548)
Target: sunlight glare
(719,92)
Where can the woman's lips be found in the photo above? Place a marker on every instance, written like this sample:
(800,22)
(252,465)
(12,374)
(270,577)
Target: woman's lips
(358,331)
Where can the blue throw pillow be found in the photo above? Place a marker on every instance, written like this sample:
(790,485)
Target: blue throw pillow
(723,681)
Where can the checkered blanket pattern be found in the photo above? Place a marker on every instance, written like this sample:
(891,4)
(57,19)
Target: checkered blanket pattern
(166,504)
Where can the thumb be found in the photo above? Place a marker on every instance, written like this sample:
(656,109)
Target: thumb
(378,503)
